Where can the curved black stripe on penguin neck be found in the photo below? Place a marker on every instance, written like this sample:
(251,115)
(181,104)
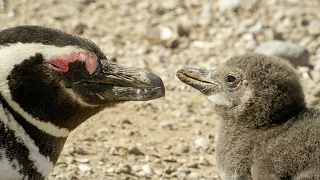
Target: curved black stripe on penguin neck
(14,150)
(48,145)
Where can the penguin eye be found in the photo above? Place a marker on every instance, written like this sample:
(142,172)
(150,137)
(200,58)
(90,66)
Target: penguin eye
(231,79)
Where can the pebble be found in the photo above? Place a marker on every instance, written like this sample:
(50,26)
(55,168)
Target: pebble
(181,161)
(192,164)
(203,45)
(314,27)
(298,55)
(202,143)
(183,169)
(135,168)
(80,151)
(84,167)
(230,4)
(123,168)
(159,35)
(82,160)
(204,161)
(111,170)
(80,28)
(184,26)
(147,169)
(257,28)
(181,149)
(143,5)
(166,124)
(170,159)
(11,14)
(206,16)
(194,175)
(167,146)
(135,151)
(181,175)
(169,169)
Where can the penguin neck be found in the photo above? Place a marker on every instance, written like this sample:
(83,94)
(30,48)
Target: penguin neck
(254,118)
(49,146)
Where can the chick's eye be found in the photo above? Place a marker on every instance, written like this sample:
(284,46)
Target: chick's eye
(231,79)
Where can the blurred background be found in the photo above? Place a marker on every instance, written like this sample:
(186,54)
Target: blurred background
(172,137)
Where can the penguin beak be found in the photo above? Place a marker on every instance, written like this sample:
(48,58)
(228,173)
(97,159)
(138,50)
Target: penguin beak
(199,79)
(113,83)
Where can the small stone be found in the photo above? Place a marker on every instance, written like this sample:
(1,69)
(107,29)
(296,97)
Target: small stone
(194,175)
(192,164)
(143,5)
(202,44)
(84,167)
(167,146)
(170,159)
(204,161)
(169,169)
(248,37)
(181,175)
(11,14)
(135,151)
(181,161)
(147,169)
(126,121)
(113,151)
(80,28)
(123,168)
(202,143)
(257,28)
(135,168)
(184,28)
(183,169)
(206,16)
(230,4)
(157,161)
(111,170)
(159,35)
(166,124)
(81,151)
(298,55)
(82,160)
(314,27)
(180,149)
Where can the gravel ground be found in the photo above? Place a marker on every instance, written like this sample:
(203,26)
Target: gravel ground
(172,137)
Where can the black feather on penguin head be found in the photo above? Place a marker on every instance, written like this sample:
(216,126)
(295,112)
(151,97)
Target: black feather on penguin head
(64,79)
(252,89)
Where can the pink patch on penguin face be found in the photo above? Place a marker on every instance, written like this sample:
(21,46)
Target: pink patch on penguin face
(62,63)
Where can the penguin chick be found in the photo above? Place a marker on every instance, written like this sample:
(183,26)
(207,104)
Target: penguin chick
(266,131)
(51,82)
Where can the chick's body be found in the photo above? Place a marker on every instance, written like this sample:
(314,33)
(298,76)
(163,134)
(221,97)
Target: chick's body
(266,131)
(289,151)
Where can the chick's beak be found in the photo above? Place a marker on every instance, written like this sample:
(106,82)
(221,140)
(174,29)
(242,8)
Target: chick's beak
(199,79)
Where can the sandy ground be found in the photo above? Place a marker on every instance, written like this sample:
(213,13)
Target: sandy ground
(172,137)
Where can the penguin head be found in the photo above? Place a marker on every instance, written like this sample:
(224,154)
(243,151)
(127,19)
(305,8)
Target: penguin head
(63,79)
(254,88)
